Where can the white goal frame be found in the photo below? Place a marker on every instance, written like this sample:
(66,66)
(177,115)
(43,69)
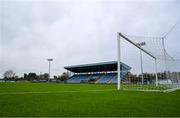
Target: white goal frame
(119,36)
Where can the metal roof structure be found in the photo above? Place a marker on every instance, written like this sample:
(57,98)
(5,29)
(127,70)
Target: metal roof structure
(96,67)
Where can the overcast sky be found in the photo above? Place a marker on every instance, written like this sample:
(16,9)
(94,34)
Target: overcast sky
(77,31)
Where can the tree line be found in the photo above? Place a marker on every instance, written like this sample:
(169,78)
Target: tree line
(10,75)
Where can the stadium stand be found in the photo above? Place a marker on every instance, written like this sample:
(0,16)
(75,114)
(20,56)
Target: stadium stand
(105,72)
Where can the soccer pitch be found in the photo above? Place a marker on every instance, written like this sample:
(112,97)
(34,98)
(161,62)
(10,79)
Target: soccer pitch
(43,99)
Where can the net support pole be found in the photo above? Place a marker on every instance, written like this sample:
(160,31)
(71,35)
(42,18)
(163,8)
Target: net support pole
(119,62)
(165,61)
(156,72)
(142,78)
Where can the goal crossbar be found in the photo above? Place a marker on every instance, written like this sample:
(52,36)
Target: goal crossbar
(121,35)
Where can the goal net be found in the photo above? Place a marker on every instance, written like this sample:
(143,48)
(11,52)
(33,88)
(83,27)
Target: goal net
(152,68)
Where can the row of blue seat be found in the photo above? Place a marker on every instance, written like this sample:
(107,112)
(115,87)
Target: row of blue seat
(77,78)
(106,78)
(99,78)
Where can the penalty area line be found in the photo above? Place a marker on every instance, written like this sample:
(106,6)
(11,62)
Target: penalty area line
(46,92)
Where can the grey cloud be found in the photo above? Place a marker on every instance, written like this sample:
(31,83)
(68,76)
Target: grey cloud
(74,32)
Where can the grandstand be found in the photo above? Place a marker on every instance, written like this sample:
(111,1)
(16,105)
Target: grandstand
(105,72)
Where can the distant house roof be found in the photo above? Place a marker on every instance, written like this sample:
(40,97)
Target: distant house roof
(96,67)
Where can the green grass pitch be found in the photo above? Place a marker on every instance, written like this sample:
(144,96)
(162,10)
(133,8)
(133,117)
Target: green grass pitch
(43,99)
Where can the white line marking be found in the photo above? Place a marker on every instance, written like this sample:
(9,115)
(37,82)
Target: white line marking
(171,90)
(75,91)
(70,91)
(143,90)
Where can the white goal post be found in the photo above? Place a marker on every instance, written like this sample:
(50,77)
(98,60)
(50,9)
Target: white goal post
(119,36)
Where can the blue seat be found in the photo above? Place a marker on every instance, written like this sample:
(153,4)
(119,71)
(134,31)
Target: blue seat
(77,78)
(106,78)
(109,77)
(114,79)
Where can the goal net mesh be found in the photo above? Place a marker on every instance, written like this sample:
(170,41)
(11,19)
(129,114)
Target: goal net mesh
(152,67)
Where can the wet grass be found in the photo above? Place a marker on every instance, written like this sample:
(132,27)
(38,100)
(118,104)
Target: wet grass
(84,100)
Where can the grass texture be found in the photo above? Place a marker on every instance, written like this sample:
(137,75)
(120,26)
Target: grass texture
(79,100)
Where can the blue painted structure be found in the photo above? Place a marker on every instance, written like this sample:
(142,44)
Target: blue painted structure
(105,72)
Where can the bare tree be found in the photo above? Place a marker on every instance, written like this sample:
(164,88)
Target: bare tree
(9,74)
